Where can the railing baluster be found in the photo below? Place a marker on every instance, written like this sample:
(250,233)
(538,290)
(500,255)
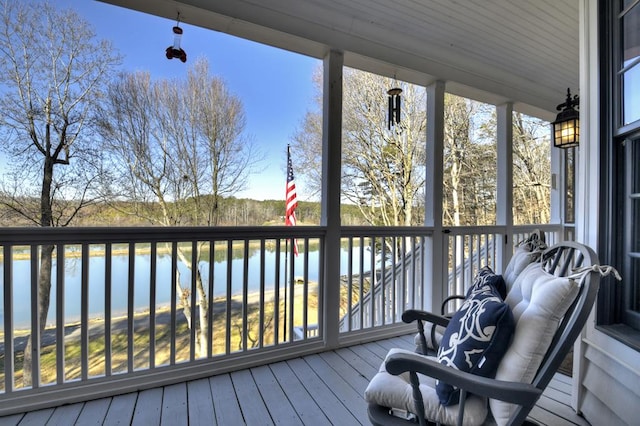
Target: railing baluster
(130,307)
(481,257)
(9,349)
(35,319)
(361,285)
(403,277)
(349,284)
(276,295)
(227,344)
(410,298)
(173,326)
(84,312)
(60,306)
(245,296)
(212,299)
(108,262)
(291,286)
(194,294)
(420,271)
(261,319)
(305,290)
(374,282)
(153,276)
(383,280)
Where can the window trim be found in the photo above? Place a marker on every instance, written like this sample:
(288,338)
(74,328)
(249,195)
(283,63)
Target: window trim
(611,307)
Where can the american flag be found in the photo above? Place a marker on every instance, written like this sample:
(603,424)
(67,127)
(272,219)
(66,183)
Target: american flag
(291,199)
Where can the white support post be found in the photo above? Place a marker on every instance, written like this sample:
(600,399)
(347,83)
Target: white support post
(435,275)
(587,178)
(330,204)
(504,196)
(557,185)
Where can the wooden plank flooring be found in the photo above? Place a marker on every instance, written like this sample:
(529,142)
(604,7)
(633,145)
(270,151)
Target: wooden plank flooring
(320,389)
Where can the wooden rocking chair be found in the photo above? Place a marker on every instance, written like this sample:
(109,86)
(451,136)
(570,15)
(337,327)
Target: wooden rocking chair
(550,302)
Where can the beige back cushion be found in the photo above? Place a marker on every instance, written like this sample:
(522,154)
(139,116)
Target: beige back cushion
(526,252)
(538,301)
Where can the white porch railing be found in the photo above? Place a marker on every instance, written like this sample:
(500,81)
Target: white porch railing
(378,290)
(119,316)
(468,249)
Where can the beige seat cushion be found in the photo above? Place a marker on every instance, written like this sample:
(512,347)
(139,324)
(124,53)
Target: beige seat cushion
(392,391)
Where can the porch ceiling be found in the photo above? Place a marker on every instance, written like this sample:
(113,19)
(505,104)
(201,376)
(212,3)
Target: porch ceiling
(490,50)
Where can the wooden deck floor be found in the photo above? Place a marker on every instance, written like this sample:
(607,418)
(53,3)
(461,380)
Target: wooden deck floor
(321,389)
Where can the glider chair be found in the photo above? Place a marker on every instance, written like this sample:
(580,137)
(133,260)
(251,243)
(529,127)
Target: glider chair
(496,357)
(431,326)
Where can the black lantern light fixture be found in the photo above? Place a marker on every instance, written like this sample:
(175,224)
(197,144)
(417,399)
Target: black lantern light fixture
(566,128)
(175,51)
(394,106)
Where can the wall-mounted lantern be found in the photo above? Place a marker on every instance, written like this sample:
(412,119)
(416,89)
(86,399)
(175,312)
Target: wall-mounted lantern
(566,128)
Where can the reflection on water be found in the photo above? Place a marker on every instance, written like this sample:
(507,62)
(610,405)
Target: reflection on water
(142,279)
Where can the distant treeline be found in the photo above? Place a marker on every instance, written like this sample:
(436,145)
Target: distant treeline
(233,212)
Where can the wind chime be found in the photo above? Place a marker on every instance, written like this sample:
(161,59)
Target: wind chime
(394,106)
(175,51)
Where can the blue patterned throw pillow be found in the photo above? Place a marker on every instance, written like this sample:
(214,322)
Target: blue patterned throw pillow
(478,334)
(486,277)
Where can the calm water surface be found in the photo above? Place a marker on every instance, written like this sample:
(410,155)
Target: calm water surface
(142,285)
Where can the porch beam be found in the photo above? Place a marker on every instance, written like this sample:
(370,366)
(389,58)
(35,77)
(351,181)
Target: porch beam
(330,201)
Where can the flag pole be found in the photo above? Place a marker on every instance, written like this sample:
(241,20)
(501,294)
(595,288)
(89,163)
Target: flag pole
(286,251)
(286,284)
(291,203)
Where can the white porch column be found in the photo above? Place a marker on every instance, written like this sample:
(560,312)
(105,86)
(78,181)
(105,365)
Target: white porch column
(330,203)
(557,185)
(504,196)
(434,250)
(587,208)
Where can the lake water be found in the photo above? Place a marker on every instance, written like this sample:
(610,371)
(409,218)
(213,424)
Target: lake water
(142,287)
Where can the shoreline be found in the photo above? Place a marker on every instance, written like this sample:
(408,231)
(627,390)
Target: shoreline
(119,322)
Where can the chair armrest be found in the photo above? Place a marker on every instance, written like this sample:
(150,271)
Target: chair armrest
(446,302)
(513,392)
(411,315)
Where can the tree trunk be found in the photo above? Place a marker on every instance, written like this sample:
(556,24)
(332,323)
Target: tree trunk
(44,277)
(44,294)
(202,331)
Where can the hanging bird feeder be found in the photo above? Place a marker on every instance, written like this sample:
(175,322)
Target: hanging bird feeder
(175,51)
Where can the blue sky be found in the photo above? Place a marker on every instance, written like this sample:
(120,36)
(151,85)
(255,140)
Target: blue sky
(255,73)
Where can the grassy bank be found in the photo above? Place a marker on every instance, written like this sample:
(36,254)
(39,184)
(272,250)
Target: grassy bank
(141,338)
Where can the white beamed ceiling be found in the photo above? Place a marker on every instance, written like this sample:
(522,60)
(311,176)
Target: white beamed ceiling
(520,51)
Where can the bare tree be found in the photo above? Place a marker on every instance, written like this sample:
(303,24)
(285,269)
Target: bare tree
(51,74)
(382,169)
(215,152)
(180,146)
(532,170)
(469,162)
